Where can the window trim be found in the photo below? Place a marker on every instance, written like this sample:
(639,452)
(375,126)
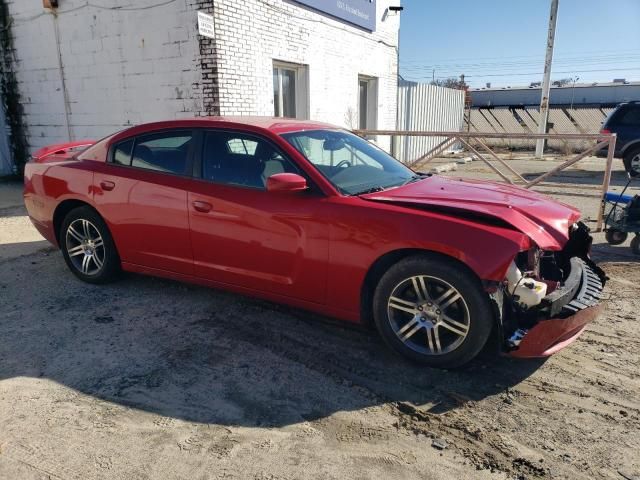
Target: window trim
(188,170)
(372,85)
(302,87)
(198,169)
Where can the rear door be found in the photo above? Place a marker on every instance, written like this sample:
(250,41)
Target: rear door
(246,236)
(142,193)
(626,124)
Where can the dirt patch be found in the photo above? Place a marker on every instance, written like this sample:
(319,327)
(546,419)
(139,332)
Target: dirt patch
(149,378)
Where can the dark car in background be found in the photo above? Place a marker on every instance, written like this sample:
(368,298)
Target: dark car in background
(624,121)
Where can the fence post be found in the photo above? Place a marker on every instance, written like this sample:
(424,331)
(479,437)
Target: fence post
(606,181)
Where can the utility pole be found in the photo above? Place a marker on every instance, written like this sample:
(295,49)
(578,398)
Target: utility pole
(546,80)
(573,90)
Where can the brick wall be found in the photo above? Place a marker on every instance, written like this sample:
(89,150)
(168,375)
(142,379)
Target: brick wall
(252,33)
(120,67)
(124,64)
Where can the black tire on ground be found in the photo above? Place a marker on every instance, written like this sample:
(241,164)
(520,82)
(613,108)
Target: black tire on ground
(635,244)
(440,280)
(103,262)
(631,161)
(615,237)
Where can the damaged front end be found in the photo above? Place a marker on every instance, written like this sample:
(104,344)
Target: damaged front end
(548,297)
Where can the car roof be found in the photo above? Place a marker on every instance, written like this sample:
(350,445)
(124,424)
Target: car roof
(273,124)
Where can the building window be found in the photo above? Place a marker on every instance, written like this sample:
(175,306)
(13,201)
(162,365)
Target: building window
(290,95)
(367,103)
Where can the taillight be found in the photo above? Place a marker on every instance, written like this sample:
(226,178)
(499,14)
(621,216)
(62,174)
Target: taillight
(605,131)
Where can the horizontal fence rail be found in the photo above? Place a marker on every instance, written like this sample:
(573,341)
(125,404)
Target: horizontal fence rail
(476,142)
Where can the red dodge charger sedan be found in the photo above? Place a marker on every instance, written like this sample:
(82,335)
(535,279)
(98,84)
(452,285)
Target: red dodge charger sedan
(310,215)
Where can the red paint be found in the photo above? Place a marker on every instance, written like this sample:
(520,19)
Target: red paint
(551,336)
(546,222)
(310,248)
(65,150)
(286,182)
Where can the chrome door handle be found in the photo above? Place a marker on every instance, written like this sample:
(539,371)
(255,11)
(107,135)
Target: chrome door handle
(203,207)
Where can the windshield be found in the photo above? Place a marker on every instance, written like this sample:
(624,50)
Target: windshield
(350,163)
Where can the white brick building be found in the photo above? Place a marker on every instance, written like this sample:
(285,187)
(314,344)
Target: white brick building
(96,67)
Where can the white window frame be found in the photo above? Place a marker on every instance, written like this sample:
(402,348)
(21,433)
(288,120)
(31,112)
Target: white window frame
(372,102)
(302,88)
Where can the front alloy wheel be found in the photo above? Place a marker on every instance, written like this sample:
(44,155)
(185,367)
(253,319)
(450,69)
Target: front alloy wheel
(433,309)
(428,315)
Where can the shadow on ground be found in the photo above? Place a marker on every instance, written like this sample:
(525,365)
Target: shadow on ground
(603,252)
(206,356)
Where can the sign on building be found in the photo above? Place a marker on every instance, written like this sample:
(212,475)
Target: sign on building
(205,25)
(357,12)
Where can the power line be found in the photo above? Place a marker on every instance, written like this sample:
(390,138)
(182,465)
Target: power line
(578,61)
(565,54)
(537,73)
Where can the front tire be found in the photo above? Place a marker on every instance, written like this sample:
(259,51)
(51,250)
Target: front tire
(87,246)
(631,162)
(433,311)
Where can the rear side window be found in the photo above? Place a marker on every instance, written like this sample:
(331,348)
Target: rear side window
(162,152)
(629,117)
(122,153)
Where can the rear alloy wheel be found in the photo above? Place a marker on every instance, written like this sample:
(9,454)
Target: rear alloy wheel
(87,246)
(615,237)
(632,162)
(433,310)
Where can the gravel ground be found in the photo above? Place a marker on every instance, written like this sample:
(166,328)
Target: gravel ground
(148,378)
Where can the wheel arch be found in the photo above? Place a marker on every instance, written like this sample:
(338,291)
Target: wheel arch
(629,146)
(61,211)
(383,263)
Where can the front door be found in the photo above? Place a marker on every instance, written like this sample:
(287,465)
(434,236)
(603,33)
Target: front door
(142,191)
(243,235)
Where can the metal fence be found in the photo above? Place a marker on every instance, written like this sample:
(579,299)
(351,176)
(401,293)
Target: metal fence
(477,143)
(426,107)
(586,120)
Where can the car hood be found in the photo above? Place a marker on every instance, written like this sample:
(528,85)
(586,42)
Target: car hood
(544,220)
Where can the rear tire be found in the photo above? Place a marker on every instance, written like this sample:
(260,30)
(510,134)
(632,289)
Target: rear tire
(433,310)
(615,237)
(88,248)
(631,161)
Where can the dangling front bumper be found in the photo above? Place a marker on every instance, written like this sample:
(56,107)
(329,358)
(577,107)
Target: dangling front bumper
(567,309)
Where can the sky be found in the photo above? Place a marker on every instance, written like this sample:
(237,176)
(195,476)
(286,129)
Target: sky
(504,41)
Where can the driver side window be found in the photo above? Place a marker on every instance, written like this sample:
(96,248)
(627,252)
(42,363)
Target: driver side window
(240,159)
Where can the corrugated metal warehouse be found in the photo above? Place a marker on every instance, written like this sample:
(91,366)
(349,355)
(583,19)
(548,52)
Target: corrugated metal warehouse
(581,94)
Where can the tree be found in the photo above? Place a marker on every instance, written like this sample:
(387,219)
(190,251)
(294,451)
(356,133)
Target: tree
(451,82)
(562,82)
